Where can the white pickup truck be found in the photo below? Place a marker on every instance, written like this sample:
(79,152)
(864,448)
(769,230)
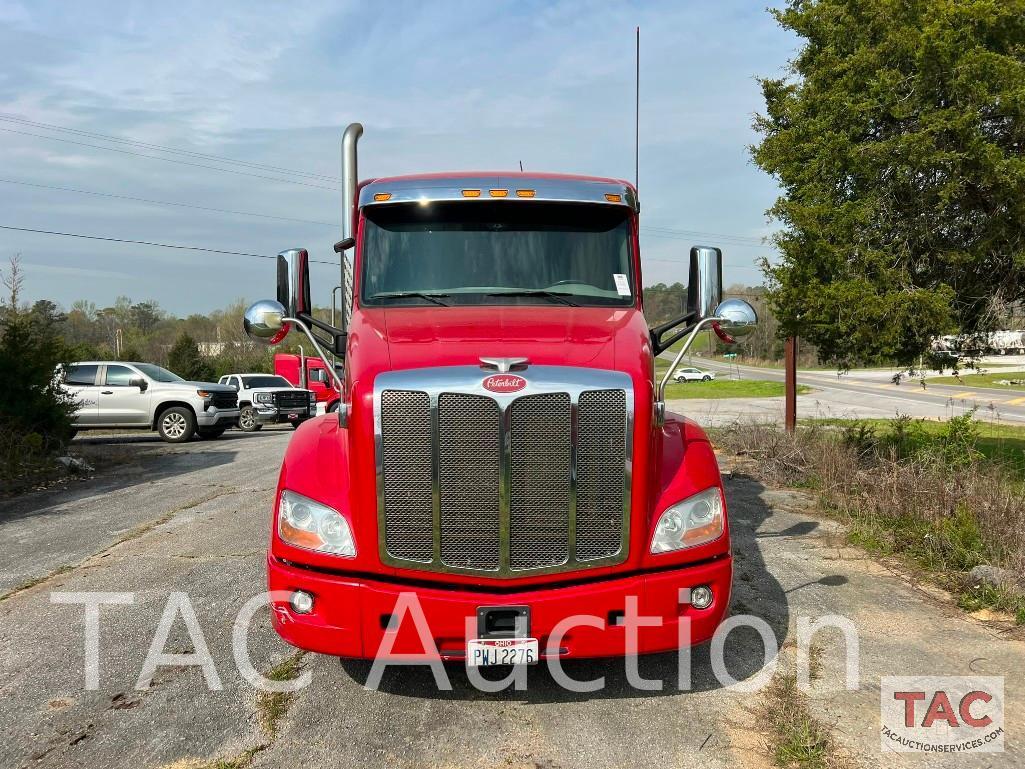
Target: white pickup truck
(118,394)
(269,399)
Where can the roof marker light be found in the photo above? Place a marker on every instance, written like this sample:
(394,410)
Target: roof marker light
(471,193)
(381,197)
(499,193)
(524,193)
(613,198)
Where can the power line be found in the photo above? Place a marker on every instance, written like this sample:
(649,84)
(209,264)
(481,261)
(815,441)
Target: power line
(165,202)
(701,234)
(163,148)
(170,160)
(148,243)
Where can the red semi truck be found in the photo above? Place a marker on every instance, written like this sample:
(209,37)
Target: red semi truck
(312,374)
(502,456)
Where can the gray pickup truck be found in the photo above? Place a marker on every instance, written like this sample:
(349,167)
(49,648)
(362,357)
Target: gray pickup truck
(117,394)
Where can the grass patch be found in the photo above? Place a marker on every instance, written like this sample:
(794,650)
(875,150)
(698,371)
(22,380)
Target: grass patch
(729,388)
(796,739)
(274,705)
(936,495)
(989,379)
(999,443)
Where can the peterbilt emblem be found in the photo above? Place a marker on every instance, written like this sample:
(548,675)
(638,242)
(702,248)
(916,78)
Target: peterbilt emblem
(504,383)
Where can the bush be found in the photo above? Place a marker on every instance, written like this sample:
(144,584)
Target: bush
(35,411)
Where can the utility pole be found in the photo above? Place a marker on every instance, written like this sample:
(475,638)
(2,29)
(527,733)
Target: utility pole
(790,417)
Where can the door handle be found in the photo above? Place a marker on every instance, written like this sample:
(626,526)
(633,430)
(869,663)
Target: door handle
(106,392)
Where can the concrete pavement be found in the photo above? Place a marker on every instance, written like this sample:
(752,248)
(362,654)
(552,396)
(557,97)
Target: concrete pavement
(197,524)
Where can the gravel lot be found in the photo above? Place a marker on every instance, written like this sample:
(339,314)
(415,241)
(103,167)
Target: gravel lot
(194,518)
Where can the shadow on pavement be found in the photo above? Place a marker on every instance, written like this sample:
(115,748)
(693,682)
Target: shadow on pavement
(755,591)
(133,458)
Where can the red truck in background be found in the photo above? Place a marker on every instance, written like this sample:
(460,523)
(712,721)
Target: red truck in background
(502,455)
(312,374)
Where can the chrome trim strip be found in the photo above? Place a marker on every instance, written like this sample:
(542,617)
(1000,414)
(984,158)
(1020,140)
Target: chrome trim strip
(421,190)
(468,380)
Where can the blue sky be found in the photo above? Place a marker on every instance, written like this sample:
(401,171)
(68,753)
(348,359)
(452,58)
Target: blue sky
(439,86)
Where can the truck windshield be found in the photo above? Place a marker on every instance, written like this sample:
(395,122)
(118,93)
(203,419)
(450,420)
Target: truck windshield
(158,374)
(264,381)
(508,252)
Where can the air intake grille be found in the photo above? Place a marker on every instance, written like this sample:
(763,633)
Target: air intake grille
(468,474)
(600,473)
(469,482)
(408,475)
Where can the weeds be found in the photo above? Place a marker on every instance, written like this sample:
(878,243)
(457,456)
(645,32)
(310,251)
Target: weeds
(925,493)
(796,738)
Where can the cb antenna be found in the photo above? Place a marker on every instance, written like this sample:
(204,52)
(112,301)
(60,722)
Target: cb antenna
(637,109)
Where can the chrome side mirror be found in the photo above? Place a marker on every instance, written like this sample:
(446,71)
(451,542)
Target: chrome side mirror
(735,318)
(264,322)
(704,286)
(294,281)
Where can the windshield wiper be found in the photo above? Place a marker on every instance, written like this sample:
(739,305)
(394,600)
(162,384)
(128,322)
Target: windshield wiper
(430,297)
(555,296)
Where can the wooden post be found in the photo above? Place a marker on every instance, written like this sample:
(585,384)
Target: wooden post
(790,419)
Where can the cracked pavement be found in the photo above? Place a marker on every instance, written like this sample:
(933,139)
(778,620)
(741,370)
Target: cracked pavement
(196,521)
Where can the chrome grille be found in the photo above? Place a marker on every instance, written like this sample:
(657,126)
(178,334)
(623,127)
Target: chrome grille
(408,474)
(539,481)
(476,482)
(601,418)
(468,475)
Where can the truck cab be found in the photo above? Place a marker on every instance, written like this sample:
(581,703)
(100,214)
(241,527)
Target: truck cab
(311,373)
(502,452)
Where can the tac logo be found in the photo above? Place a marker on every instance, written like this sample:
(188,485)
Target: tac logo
(942,714)
(504,383)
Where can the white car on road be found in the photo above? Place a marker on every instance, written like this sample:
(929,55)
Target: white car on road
(693,375)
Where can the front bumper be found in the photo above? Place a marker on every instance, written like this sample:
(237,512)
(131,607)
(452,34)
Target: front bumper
(349,612)
(274,415)
(215,417)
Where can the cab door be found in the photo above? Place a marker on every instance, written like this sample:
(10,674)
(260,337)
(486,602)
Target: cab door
(120,402)
(80,382)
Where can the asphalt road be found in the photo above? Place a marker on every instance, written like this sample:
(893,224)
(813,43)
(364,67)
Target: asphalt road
(194,519)
(858,394)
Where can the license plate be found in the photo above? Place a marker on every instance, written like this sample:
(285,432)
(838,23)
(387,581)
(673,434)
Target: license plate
(481,652)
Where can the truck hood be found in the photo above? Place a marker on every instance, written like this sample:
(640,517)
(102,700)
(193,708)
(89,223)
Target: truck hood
(212,387)
(279,388)
(414,337)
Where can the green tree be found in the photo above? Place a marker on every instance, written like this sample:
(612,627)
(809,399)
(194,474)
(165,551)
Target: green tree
(898,140)
(186,361)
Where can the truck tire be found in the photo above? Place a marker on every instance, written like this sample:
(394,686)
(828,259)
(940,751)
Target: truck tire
(331,409)
(176,424)
(209,433)
(247,420)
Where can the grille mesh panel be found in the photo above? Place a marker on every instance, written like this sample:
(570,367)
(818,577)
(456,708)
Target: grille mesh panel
(408,476)
(601,443)
(469,472)
(539,481)
(461,466)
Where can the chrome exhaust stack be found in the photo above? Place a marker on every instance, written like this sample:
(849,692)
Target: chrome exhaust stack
(350,180)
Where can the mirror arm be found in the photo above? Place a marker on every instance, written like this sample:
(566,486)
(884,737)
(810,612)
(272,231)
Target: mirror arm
(343,411)
(660,391)
(658,345)
(336,334)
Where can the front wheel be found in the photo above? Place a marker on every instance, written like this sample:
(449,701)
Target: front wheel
(247,420)
(706,379)
(333,408)
(176,425)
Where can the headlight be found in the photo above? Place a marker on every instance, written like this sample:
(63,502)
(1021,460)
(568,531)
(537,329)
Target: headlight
(263,397)
(311,525)
(695,521)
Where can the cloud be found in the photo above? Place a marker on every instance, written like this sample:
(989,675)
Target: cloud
(438,86)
